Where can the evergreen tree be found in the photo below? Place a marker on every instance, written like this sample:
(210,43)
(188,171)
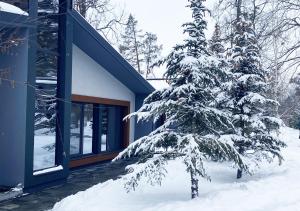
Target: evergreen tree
(216,44)
(46,66)
(194,129)
(217,49)
(131,47)
(289,109)
(151,52)
(253,113)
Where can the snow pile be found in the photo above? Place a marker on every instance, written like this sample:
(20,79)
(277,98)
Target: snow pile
(272,188)
(5,7)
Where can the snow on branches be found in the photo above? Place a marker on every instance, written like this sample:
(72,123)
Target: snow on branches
(193,124)
(253,114)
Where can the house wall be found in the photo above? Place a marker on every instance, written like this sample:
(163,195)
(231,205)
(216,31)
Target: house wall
(13,113)
(91,79)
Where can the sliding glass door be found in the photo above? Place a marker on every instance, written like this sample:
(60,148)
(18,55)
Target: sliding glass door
(96,129)
(81,141)
(75,129)
(103,128)
(87,140)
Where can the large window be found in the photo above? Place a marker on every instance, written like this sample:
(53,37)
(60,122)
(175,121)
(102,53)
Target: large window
(104,128)
(87,141)
(81,142)
(75,129)
(96,129)
(46,133)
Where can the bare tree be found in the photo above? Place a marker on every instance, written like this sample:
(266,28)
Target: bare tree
(131,44)
(268,19)
(290,25)
(151,52)
(104,16)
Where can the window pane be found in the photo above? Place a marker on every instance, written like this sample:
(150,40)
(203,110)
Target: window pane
(88,129)
(104,128)
(115,128)
(75,129)
(46,84)
(45,126)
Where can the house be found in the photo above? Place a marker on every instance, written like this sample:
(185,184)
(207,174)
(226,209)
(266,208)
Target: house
(64,92)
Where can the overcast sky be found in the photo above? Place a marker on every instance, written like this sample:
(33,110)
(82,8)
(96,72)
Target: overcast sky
(162,17)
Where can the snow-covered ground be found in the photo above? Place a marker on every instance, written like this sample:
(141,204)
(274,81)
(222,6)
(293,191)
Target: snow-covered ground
(43,156)
(272,188)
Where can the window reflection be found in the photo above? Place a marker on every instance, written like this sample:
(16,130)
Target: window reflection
(104,128)
(75,129)
(88,129)
(46,121)
(96,128)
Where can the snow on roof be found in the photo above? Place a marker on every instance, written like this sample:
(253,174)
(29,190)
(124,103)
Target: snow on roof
(5,7)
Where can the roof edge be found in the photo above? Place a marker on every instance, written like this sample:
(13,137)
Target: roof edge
(80,20)
(15,20)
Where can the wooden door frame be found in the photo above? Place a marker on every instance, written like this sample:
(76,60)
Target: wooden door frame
(126,129)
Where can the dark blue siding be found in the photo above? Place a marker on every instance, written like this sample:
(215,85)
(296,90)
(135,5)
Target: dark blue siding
(64,91)
(13,114)
(141,128)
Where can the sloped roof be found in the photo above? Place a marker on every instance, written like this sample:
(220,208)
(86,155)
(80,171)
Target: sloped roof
(95,46)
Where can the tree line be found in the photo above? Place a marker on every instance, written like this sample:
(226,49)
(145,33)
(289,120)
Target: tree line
(276,23)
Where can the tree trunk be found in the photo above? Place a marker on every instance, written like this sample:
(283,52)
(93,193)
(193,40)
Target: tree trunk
(239,174)
(136,51)
(238,9)
(81,7)
(194,185)
(254,14)
(239,171)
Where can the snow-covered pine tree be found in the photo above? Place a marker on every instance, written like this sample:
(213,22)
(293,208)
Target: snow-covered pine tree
(193,126)
(151,52)
(217,49)
(46,67)
(216,45)
(131,47)
(253,113)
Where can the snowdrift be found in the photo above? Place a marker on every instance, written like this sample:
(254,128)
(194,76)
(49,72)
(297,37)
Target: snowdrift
(272,188)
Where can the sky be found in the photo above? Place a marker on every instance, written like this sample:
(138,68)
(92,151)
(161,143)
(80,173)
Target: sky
(162,17)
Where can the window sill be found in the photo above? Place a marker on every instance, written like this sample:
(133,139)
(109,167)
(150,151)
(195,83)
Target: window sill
(48,170)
